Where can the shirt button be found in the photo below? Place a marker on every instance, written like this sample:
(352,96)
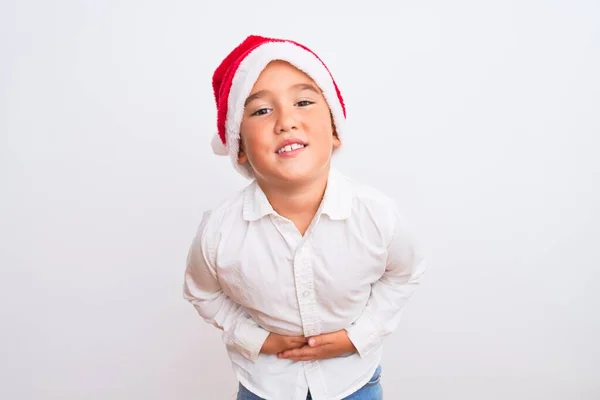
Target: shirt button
(306,294)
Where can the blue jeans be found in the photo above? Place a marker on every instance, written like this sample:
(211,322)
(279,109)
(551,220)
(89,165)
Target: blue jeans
(371,391)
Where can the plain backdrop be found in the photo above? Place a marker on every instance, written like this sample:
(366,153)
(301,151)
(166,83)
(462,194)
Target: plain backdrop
(482,119)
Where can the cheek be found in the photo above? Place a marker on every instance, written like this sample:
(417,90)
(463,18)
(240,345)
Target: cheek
(257,150)
(319,123)
(323,132)
(253,138)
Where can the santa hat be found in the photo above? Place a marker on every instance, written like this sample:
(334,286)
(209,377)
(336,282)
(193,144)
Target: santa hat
(235,76)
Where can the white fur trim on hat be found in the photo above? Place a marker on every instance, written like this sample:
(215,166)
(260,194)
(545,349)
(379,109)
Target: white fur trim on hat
(217,146)
(247,74)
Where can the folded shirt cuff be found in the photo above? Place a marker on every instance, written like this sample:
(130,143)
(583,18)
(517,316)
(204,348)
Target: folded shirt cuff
(249,338)
(365,335)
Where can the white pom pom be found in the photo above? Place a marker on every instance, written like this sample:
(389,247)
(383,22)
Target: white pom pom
(217,146)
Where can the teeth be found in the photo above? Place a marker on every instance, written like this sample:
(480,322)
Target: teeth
(290,147)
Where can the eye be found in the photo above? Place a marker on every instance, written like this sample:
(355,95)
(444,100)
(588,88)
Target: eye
(304,103)
(260,111)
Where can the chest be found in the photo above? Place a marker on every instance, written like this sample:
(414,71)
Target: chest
(270,262)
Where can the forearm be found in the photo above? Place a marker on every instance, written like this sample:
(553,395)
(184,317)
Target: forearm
(202,289)
(240,331)
(383,311)
(405,267)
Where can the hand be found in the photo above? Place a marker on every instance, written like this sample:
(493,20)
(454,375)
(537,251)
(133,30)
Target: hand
(328,345)
(275,343)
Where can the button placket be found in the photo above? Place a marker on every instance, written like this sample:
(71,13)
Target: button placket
(305,291)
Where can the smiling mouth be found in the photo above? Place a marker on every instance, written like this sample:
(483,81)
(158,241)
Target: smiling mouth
(290,147)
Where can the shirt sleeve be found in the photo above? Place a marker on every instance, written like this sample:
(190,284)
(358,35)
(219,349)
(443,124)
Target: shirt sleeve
(404,268)
(203,291)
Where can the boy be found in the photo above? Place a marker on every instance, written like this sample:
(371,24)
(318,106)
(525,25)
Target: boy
(305,271)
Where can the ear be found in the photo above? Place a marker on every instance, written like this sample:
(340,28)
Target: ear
(336,140)
(242,157)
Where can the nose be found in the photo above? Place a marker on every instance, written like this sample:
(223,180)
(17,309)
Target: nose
(286,120)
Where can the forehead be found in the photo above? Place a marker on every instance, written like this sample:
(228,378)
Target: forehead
(281,73)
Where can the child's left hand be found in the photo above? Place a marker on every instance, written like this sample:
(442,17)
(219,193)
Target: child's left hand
(328,345)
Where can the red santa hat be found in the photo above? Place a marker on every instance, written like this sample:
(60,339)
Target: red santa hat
(235,76)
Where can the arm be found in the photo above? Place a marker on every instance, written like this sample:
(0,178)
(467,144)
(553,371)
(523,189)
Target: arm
(404,269)
(203,291)
(403,272)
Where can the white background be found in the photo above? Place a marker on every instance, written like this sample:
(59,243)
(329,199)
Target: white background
(481,118)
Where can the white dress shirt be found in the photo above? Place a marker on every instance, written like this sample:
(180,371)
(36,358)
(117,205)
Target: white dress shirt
(251,272)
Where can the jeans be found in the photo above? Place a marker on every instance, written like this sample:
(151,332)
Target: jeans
(371,391)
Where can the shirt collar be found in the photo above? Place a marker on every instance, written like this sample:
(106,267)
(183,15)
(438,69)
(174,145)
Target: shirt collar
(337,201)
(256,204)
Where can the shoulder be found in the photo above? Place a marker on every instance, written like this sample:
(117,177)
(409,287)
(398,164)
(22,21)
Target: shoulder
(369,197)
(229,210)
(374,208)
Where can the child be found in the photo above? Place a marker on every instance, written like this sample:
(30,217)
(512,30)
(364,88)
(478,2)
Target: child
(305,271)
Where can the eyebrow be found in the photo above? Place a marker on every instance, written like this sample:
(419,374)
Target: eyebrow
(297,86)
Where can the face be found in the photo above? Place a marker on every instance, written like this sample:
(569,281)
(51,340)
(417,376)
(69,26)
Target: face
(287,132)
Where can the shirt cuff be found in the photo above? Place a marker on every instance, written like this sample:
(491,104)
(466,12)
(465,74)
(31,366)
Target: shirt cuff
(249,338)
(365,335)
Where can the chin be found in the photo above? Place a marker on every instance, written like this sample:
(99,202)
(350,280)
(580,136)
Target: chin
(292,172)
(301,174)
(291,176)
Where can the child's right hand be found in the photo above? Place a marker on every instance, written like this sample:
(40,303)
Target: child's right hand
(275,344)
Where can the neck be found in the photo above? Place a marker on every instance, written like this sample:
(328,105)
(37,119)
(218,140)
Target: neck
(298,203)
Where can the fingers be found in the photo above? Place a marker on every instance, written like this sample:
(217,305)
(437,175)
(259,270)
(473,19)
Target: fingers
(315,347)
(295,342)
(292,339)
(288,342)
(304,353)
(295,345)
(303,358)
(321,340)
